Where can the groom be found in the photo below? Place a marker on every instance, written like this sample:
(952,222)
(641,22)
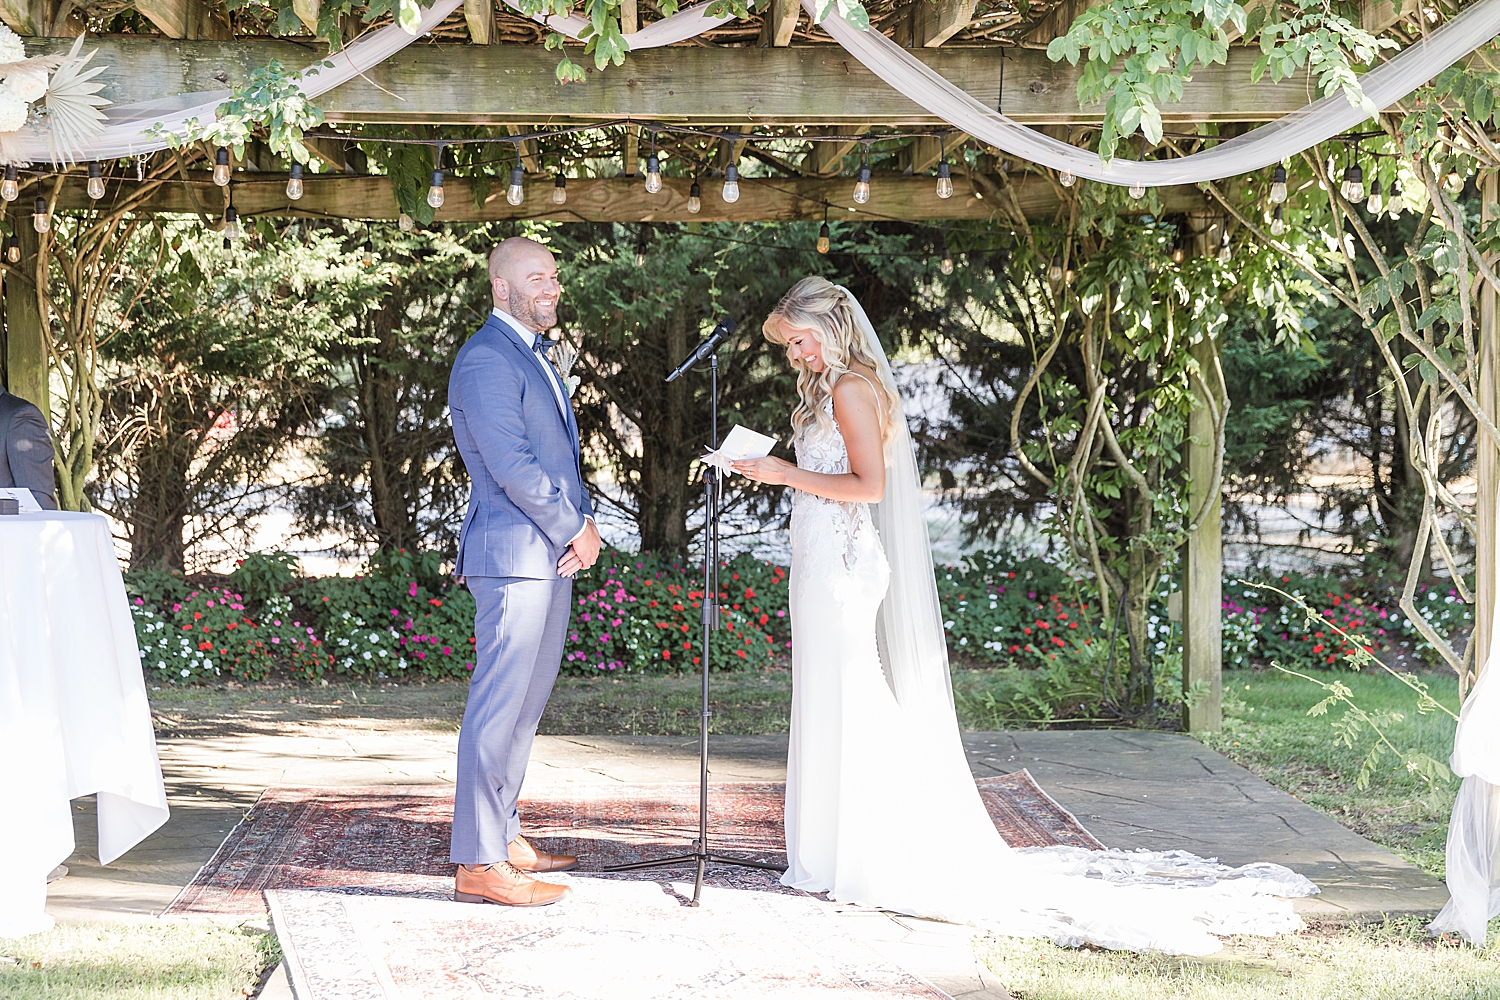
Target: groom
(529,529)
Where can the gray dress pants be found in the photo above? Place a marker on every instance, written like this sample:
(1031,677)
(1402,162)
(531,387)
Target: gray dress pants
(520,627)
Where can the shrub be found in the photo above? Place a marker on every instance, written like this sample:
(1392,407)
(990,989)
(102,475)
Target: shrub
(261,576)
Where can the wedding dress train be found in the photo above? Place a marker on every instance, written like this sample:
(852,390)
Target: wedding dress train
(881,808)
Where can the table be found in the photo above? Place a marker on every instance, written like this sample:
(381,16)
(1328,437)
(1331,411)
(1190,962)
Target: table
(74,719)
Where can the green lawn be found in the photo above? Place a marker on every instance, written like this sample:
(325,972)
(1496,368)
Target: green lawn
(1393,961)
(1267,729)
(146,961)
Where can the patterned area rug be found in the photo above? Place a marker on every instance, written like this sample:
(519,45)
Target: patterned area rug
(393,840)
(612,940)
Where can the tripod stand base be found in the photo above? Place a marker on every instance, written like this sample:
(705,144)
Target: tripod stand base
(708,857)
(701,859)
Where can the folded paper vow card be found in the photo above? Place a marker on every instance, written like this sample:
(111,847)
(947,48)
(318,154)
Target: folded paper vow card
(740,443)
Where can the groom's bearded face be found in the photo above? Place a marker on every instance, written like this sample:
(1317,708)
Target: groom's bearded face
(532,291)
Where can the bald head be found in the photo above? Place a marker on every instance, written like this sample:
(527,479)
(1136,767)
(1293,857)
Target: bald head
(523,281)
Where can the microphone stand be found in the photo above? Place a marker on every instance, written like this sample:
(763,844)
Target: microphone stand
(712,486)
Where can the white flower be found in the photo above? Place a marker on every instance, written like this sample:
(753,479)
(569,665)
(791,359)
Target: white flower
(11,47)
(13,112)
(367,654)
(185,671)
(27,84)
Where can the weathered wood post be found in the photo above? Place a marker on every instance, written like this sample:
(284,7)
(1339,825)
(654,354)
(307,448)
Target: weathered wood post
(25,339)
(1487,471)
(1203,552)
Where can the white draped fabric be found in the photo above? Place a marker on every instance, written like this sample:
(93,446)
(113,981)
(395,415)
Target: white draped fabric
(1318,122)
(1474,828)
(74,719)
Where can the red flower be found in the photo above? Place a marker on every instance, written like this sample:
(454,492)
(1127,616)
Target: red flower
(666,654)
(197,615)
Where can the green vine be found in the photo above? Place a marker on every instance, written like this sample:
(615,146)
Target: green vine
(1350,728)
(271,100)
(1141,53)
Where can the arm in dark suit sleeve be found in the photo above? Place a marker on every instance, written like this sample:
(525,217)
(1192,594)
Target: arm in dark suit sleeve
(494,420)
(29,449)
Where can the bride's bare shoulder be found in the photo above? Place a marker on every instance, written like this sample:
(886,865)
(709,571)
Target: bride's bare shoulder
(858,383)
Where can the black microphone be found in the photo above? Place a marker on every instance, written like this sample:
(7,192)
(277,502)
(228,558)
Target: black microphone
(726,326)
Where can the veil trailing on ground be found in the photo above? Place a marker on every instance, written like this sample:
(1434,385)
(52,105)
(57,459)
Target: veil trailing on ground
(909,630)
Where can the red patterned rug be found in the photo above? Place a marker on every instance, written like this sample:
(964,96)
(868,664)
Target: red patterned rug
(393,840)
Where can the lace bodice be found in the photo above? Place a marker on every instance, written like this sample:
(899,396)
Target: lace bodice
(847,527)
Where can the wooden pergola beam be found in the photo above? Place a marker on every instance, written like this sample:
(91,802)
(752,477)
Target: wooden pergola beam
(618,199)
(442,84)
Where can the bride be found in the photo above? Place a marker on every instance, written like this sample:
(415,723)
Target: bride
(881,809)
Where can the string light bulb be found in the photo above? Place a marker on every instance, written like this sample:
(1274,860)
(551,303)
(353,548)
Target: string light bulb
(41,220)
(96,181)
(653,174)
(405,223)
(695,199)
(862,185)
(1055,272)
(1278,222)
(560,190)
(1454,182)
(1278,185)
(368,257)
(232,230)
(1179,249)
(1067,276)
(640,248)
(221,167)
(731,192)
(946,263)
(12,249)
(294,182)
(1395,204)
(516,193)
(1066,179)
(1376,204)
(944,181)
(1225,253)
(1353,186)
(10,188)
(228,250)
(824,241)
(435,191)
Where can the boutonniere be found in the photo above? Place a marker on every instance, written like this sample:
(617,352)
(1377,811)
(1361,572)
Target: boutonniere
(565,356)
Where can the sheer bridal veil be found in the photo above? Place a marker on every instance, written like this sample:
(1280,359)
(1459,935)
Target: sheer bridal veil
(913,648)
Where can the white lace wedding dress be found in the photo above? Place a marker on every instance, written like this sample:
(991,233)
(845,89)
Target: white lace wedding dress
(881,809)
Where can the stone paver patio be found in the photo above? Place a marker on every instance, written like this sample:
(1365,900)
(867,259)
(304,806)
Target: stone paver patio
(1131,789)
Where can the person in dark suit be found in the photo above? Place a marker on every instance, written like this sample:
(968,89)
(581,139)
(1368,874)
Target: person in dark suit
(26,449)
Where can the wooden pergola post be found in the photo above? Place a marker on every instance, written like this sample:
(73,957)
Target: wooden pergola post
(1487,470)
(25,338)
(1203,552)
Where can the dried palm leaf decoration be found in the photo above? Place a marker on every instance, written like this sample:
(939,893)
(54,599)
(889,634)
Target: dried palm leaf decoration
(73,103)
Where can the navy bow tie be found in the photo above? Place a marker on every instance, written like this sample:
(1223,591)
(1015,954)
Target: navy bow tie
(541,345)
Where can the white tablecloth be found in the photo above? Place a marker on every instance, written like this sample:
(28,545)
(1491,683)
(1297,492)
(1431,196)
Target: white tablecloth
(74,719)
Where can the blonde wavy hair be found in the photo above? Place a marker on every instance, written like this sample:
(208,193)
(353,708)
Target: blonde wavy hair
(818,304)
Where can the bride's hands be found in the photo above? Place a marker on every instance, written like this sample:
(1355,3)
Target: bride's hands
(771,470)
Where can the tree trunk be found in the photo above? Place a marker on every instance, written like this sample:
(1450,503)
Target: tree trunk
(380,404)
(667,448)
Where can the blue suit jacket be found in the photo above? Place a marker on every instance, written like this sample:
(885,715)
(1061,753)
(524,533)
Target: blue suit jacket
(526,493)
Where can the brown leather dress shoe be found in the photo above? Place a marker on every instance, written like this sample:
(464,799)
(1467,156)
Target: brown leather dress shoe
(504,885)
(529,859)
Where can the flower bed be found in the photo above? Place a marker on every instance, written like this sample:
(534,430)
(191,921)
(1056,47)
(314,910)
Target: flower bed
(1008,612)
(1261,626)
(210,633)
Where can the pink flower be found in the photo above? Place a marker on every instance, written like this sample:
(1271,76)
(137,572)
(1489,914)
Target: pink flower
(616,623)
(140,600)
(447,651)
